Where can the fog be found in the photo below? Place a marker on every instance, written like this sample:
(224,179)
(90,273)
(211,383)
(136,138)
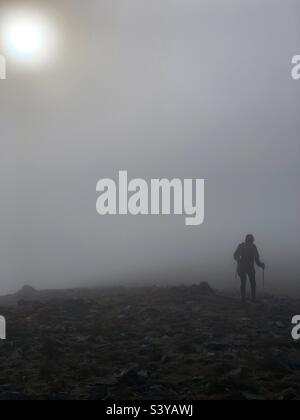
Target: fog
(172,88)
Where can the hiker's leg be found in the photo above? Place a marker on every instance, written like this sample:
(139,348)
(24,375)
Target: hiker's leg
(253,286)
(243,277)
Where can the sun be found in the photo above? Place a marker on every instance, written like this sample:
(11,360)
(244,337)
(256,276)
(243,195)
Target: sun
(28,37)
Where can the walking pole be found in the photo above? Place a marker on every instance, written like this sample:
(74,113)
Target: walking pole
(236,279)
(263,275)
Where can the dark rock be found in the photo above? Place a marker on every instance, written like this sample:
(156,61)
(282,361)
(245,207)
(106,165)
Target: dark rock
(291,361)
(171,343)
(205,289)
(99,392)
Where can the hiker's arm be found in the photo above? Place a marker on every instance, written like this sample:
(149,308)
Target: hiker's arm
(237,254)
(258,260)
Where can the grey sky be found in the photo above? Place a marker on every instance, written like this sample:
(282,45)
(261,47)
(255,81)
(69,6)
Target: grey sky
(172,88)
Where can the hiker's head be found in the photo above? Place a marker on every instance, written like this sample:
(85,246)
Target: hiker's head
(250,240)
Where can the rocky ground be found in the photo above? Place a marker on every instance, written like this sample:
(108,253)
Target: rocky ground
(148,344)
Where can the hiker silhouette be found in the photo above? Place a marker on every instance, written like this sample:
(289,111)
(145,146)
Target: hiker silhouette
(247,256)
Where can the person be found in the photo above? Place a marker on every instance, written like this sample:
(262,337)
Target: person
(247,256)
